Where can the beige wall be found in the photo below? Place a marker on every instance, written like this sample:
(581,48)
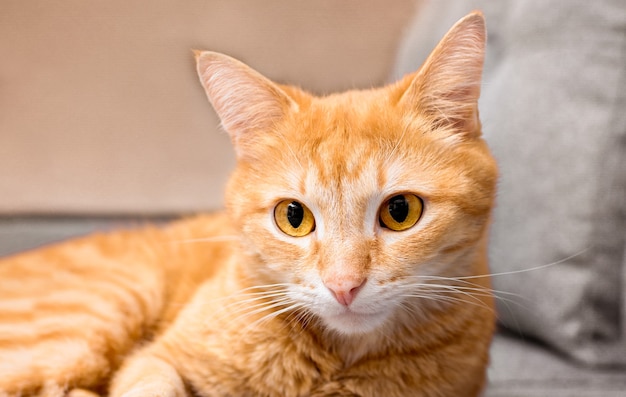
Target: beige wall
(100,109)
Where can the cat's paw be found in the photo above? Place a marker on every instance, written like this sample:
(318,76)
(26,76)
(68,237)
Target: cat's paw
(50,368)
(154,390)
(81,393)
(147,376)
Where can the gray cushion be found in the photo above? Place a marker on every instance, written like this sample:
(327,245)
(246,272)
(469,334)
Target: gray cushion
(521,368)
(553,108)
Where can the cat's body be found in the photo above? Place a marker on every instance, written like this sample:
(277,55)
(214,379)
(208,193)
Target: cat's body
(351,261)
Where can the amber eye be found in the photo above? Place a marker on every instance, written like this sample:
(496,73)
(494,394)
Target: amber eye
(400,212)
(294,218)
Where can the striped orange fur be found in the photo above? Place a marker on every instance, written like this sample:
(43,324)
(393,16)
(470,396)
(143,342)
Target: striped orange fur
(240,303)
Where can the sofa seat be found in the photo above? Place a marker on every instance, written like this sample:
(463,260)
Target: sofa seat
(525,368)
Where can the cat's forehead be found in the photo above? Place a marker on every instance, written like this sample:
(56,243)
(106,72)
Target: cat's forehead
(354,146)
(340,140)
(347,128)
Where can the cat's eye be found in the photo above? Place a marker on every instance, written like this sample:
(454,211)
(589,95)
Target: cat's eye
(294,218)
(400,212)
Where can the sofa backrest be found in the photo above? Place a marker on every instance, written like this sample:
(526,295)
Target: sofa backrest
(101,111)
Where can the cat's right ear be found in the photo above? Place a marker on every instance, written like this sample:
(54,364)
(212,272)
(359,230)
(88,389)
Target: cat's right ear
(246,102)
(447,86)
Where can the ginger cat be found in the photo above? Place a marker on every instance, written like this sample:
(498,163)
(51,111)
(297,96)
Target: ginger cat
(340,268)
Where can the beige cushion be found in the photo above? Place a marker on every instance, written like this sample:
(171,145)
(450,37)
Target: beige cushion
(101,111)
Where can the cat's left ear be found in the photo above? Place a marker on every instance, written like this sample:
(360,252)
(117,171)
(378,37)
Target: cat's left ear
(447,86)
(246,102)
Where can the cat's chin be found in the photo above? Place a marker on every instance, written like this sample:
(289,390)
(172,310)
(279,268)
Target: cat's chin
(352,323)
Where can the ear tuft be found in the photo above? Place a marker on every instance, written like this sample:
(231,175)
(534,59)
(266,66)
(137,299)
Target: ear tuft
(447,86)
(246,102)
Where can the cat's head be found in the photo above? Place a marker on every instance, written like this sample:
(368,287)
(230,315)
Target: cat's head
(353,200)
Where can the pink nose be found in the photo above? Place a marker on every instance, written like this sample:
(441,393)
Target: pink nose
(345,290)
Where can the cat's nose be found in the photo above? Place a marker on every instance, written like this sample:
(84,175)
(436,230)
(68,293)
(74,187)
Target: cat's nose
(345,289)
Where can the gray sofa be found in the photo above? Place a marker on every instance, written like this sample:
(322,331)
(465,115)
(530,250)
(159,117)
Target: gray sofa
(104,126)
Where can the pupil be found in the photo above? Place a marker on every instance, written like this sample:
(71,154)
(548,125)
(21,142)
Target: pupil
(398,208)
(295,214)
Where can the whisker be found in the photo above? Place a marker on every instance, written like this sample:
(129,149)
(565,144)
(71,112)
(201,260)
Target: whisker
(305,317)
(526,270)
(261,303)
(476,290)
(235,312)
(240,293)
(471,292)
(272,315)
(474,285)
(415,310)
(261,299)
(433,297)
(452,299)
(448,298)
(479,290)
(475,296)
(263,286)
(273,288)
(251,300)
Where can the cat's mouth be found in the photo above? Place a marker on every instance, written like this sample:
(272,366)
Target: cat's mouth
(352,322)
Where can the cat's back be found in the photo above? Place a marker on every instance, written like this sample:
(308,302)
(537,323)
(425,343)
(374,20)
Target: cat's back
(86,302)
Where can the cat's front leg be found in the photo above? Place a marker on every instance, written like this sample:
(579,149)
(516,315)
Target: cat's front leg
(147,376)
